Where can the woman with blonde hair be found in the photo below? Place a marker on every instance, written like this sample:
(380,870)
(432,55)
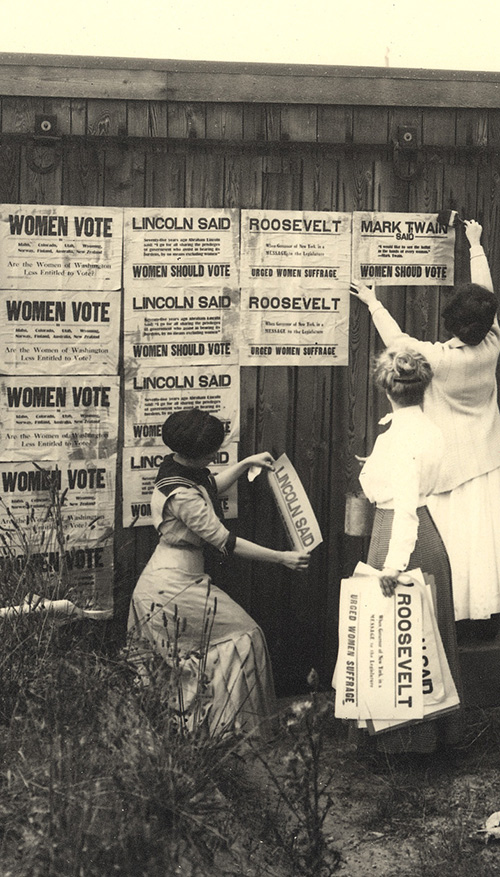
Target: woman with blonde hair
(462,401)
(398,476)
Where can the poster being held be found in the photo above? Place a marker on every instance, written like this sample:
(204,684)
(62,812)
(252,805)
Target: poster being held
(294,507)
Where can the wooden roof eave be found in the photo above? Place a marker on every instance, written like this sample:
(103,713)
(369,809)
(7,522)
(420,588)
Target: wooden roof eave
(60,76)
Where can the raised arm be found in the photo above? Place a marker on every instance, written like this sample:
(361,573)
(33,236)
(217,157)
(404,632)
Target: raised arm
(479,269)
(387,327)
(228,476)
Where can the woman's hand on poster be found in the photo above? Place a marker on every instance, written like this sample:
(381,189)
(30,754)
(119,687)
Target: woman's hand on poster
(298,561)
(264,460)
(365,293)
(388,581)
(473,231)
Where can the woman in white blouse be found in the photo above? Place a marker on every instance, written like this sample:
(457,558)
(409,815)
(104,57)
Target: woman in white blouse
(398,476)
(462,401)
(176,610)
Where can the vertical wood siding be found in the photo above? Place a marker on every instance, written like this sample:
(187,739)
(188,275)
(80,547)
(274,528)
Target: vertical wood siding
(278,157)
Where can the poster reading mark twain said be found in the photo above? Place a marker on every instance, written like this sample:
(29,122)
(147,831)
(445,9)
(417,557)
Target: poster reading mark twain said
(181,246)
(140,466)
(49,417)
(60,247)
(290,248)
(152,394)
(402,249)
(74,542)
(191,325)
(301,327)
(379,665)
(54,332)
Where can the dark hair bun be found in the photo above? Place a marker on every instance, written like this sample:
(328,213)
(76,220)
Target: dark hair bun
(193,433)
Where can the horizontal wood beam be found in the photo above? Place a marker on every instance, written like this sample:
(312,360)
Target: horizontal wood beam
(61,76)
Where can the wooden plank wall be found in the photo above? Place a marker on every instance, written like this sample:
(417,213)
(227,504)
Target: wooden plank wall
(145,154)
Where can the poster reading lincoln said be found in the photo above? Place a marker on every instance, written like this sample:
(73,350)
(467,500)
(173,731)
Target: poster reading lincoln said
(295,275)
(181,247)
(152,394)
(60,247)
(402,249)
(140,467)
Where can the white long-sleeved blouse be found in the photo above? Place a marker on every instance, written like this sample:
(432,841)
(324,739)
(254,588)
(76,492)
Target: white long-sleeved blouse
(462,396)
(400,473)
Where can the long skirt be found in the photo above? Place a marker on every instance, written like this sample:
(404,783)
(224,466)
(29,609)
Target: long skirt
(221,671)
(430,556)
(468,519)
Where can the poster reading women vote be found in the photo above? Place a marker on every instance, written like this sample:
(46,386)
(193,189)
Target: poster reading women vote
(140,467)
(50,332)
(152,394)
(51,417)
(295,275)
(402,249)
(83,549)
(60,247)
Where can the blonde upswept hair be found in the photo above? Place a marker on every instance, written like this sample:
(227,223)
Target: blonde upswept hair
(404,374)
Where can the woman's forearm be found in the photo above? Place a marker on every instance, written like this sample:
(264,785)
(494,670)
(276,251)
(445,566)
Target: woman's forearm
(479,269)
(228,476)
(386,326)
(252,551)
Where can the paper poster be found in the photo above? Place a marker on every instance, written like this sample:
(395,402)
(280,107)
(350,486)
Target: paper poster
(379,664)
(295,275)
(140,467)
(55,332)
(50,417)
(181,246)
(289,248)
(295,509)
(60,517)
(152,394)
(190,325)
(60,247)
(84,492)
(402,249)
(295,329)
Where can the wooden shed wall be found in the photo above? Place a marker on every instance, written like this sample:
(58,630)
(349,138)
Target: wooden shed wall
(275,155)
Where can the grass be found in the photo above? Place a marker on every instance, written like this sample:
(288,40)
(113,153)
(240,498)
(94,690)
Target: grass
(101,775)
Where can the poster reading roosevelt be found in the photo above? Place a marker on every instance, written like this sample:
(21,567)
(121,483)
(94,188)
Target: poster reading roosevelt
(60,247)
(295,274)
(402,249)
(379,664)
